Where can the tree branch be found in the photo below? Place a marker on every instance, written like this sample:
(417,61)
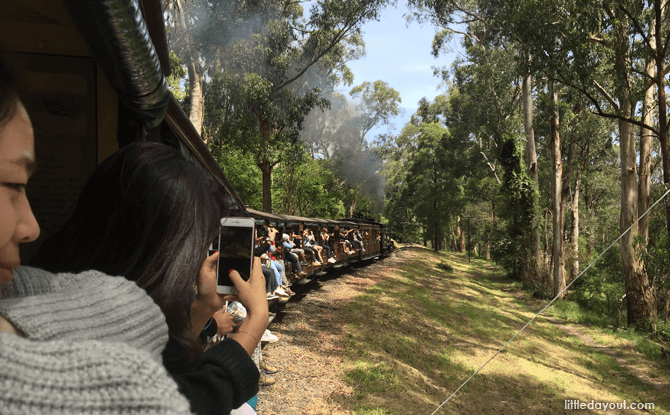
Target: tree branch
(334,42)
(608,97)
(638,29)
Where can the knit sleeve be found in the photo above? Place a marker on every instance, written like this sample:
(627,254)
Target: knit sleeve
(28,281)
(90,306)
(225,378)
(57,377)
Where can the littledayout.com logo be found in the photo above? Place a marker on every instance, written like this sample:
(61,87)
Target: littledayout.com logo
(604,406)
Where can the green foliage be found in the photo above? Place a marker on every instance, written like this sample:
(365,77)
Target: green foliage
(308,187)
(378,102)
(260,58)
(600,289)
(243,174)
(424,174)
(176,81)
(519,201)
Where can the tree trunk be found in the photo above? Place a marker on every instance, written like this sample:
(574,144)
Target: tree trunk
(453,238)
(266,170)
(197,112)
(460,244)
(194,75)
(641,305)
(266,167)
(574,239)
(660,6)
(556,190)
(640,301)
(436,236)
(531,163)
(565,184)
(645,159)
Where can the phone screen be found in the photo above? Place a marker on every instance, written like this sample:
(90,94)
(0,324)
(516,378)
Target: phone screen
(235,246)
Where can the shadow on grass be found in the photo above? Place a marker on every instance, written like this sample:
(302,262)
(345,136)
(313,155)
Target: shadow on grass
(412,339)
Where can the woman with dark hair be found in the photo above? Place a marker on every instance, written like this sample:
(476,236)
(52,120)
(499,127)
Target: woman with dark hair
(149,215)
(60,334)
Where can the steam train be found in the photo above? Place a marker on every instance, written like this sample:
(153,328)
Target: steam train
(375,242)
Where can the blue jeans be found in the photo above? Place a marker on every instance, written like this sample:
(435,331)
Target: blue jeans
(278,269)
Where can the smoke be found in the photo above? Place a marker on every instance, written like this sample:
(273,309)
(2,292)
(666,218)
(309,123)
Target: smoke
(232,36)
(336,134)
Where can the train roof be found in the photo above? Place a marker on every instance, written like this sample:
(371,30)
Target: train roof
(289,219)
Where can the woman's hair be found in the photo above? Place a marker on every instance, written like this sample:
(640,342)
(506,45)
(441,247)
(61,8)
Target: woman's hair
(9,93)
(147,214)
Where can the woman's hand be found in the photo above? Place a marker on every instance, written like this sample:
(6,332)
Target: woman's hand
(252,295)
(224,322)
(207,300)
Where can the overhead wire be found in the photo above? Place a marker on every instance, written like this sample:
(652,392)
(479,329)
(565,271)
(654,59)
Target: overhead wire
(552,301)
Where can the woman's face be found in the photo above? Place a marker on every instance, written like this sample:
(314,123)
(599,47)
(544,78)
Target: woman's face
(17,160)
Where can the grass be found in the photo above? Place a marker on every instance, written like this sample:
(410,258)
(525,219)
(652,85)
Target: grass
(414,337)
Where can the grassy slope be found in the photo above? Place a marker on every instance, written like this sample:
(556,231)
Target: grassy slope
(414,337)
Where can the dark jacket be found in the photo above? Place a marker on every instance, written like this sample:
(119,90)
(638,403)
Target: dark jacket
(225,378)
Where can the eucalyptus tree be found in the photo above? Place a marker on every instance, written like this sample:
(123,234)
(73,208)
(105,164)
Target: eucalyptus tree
(377,104)
(595,48)
(258,55)
(486,48)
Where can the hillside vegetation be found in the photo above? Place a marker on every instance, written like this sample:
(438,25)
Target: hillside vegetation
(412,338)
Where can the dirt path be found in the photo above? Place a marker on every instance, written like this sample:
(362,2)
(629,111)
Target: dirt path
(310,350)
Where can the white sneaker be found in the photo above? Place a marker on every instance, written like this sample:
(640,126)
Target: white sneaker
(281,292)
(272,296)
(269,337)
(331,260)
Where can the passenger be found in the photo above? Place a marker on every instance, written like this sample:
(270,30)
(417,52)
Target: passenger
(323,243)
(310,249)
(296,239)
(270,278)
(357,240)
(287,245)
(263,249)
(68,331)
(239,314)
(149,215)
(278,255)
(346,244)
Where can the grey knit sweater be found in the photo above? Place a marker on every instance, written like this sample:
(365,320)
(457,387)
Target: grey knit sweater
(93,346)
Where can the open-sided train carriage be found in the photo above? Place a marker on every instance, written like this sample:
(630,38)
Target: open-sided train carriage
(373,236)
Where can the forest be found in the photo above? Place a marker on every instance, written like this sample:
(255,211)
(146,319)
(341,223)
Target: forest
(547,144)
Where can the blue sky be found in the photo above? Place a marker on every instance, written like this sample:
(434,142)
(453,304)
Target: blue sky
(400,55)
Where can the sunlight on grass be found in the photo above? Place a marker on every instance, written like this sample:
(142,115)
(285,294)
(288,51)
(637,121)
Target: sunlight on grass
(414,337)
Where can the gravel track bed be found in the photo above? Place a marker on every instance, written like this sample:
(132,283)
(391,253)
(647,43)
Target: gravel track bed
(310,349)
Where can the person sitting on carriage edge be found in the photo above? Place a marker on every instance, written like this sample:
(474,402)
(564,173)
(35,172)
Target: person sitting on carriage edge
(287,245)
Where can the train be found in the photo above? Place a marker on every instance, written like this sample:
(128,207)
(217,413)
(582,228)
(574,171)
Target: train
(376,243)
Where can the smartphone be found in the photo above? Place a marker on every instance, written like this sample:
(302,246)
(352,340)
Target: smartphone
(236,251)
